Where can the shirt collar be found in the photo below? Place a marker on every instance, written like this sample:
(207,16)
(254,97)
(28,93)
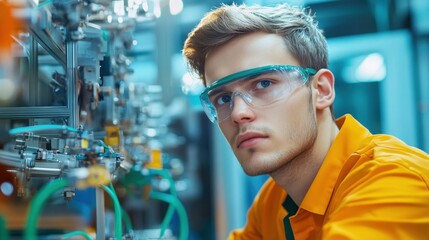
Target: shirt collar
(348,139)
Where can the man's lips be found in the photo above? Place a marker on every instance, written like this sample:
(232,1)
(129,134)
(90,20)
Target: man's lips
(248,139)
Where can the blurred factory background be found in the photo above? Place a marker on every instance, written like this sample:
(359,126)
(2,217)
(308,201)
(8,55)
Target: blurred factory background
(99,117)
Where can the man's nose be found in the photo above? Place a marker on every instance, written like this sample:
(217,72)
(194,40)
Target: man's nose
(240,109)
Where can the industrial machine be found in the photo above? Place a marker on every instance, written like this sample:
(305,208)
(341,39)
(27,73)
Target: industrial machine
(71,124)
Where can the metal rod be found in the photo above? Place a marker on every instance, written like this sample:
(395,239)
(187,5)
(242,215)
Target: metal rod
(72,81)
(41,168)
(34,112)
(39,171)
(100,214)
(10,159)
(33,85)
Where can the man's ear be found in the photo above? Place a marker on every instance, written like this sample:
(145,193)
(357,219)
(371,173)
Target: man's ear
(323,83)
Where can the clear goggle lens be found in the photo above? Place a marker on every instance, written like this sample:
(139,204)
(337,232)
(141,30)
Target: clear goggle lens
(259,87)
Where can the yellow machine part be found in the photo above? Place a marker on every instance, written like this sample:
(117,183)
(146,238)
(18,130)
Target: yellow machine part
(97,176)
(155,159)
(112,136)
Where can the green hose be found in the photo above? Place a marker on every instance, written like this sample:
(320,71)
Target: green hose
(76,233)
(4,233)
(43,195)
(127,221)
(165,174)
(44,3)
(170,211)
(43,127)
(37,204)
(166,220)
(125,216)
(117,209)
(184,228)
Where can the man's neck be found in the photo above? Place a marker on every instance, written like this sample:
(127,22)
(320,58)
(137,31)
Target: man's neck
(297,176)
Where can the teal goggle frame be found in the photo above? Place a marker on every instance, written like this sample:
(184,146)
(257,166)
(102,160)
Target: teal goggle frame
(211,112)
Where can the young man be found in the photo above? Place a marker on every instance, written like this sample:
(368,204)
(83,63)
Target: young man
(270,92)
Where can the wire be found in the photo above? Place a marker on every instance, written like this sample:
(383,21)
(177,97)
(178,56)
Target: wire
(37,204)
(76,233)
(43,127)
(184,227)
(117,209)
(4,233)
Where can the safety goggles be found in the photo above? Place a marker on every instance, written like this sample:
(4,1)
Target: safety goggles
(258,87)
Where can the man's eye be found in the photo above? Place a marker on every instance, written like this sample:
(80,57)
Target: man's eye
(222,99)
(263,84)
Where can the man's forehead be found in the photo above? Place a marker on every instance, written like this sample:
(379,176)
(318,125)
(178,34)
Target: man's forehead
(246,52)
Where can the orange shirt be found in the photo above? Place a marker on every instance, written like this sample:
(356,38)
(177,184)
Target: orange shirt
(368,187)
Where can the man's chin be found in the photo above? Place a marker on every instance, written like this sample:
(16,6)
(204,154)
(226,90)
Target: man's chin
(255,171)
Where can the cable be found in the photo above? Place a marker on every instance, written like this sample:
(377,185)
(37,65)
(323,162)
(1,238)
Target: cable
(4,233)
(43,127)
(117,209)
(184,227)
(76,233)
(37,204)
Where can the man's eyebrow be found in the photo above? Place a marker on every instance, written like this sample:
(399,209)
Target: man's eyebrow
(269,73)
(215,91)
(251,77)
(255,76)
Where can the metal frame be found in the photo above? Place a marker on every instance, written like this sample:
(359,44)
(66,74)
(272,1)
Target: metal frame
(69,60)
(49,45)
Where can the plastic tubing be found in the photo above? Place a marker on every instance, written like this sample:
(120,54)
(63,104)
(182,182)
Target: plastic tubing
(167,219)
(170,211)
(37,204)
(117,209)
(44,3)
(165,174)
(127,221)
(4,233)
(125,217)
(76,233)
(184,228)
(43,127)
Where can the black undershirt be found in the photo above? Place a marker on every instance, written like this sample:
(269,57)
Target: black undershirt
(291,208)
